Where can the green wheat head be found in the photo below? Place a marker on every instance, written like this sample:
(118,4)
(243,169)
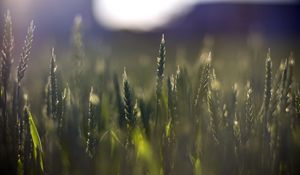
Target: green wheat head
(7,48)
(119,102)
(52,89)
(128,102)
(204,80)
(161,60)
(92,127)
(25,55)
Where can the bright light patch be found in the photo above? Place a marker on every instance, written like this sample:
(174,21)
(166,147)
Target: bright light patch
(146,15)
(137,14)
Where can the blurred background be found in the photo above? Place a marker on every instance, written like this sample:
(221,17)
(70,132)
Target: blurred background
(128,33)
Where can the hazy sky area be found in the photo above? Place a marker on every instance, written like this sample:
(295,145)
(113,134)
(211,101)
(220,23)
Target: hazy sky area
(139,15)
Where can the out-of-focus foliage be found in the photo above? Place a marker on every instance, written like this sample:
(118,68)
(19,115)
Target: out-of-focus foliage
(89,122)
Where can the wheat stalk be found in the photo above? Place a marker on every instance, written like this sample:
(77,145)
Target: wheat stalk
(161,60)
(213,103)
(247,121)
(171,84)
(6,62)
(6,52)
(25,55)
(204,81)
(128,102)
(284,86)
(267,97)
(119,102)
(53,92)
(18,122)
(91,135)
(145,116)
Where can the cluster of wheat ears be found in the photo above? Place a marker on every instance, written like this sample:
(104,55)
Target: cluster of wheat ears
(184,127)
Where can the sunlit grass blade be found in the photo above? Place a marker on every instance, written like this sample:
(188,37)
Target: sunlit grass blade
(37,145)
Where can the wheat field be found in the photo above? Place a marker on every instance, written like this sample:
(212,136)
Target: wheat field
(90,120)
